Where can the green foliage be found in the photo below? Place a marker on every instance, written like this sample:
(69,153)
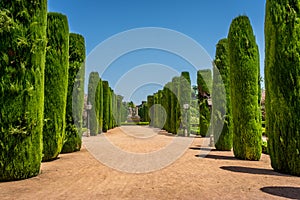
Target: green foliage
(22,62)
(243,50)
(99,105)
(56,85)
(75,97)
(265,147)
(176,117)
(282,78)
(92,90)
(204,82)
(150,103)
(106,93)
(185,98)
(221,98)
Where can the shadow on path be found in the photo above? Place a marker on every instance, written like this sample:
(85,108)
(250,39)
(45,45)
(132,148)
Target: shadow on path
(249,170)
(217,157)
(283,191)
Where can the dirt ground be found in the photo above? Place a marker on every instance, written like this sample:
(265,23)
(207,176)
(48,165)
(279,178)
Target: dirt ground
(217,176)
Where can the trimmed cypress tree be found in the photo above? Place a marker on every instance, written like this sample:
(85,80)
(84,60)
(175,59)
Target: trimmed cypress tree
(92,99)
(150,103)
(110,108)
(22,62)
(99,105)
(221,97)
(176,103)
(106,93)
(75,97)
(185,98)
(56,85)
(282,78)
(119,109)
(204,82)
(247,139)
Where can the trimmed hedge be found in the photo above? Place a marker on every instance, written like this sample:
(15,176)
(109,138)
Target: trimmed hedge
(92,99)
(22,62)
(204,82)
(56,85)
(223,140)
(75,97)
(282,77)
(247,138)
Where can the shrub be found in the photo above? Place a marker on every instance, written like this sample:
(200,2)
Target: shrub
(22,62)
(56,85)
(75,96)
(243,53)
(282,77)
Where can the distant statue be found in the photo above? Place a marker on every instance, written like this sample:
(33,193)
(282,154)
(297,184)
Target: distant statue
(133,114)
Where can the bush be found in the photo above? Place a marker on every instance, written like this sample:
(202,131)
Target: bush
(244,67)
(185,98)
(22,62)
(221,81)
(282,77)
(56,85)
(75,97)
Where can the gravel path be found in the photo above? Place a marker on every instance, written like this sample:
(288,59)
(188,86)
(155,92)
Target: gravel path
(199,173)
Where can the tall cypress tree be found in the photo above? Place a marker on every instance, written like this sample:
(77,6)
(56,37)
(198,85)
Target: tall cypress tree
(56,85)
(221,98)
(150,103)
(282,78)
(75,97)
(22,62)
(204,82)
(247,140)
(92,90)
(185,98)
(106,92)
(176,103)
(99,105)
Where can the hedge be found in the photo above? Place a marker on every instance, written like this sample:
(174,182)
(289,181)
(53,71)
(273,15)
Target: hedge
(282,77)
(204,82)
(243,51)
(92,114)
(56,85)
(22,62)
(176,120)
(75,97)
(221,98)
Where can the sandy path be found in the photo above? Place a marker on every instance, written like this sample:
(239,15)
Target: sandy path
(217,176)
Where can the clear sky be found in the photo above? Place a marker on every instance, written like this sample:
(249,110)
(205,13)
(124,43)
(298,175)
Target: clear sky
(205,21)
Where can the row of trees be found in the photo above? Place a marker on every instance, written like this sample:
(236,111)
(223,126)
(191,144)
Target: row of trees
(107,107)
(36,102)
(166,107)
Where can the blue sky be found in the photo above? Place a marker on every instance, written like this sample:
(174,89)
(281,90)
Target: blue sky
(205,21)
